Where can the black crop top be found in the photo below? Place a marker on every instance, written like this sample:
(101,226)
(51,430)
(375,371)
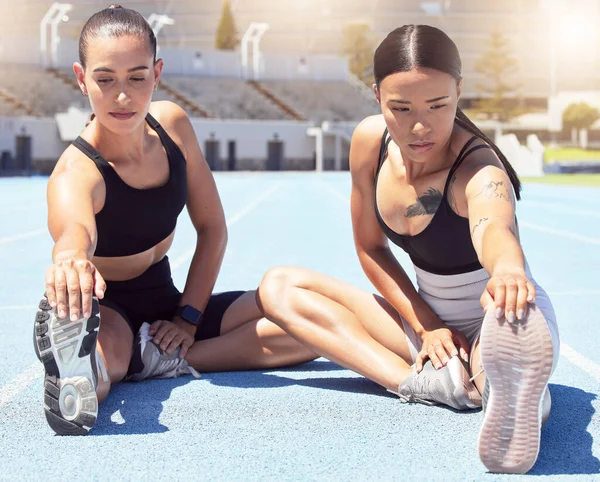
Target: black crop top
(135,220)
(444,246)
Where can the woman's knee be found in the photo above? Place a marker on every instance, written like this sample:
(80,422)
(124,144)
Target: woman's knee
(273,293)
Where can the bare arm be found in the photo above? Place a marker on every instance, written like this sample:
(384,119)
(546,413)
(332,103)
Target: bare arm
(208,218)
(491,206)
(378,262)
(71,193)
(206,212)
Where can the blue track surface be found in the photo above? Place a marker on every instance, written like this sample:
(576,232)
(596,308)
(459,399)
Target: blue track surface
(315,421)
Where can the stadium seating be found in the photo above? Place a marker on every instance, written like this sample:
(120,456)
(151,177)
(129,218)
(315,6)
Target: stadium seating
(44,92)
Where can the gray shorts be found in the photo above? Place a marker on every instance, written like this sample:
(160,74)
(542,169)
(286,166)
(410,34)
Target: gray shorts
(455,299)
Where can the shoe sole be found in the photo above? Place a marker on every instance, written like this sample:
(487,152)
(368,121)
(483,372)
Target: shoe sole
(517,360)
(68,351)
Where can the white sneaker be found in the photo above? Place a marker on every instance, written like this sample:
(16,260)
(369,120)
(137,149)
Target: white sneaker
(517,359)
(450,385)
(68,351)
(149,361)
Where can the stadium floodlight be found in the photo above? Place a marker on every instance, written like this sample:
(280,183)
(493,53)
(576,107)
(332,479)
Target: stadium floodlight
(157,21)
(432,8)
(253,34)
(55,14)
(436,7)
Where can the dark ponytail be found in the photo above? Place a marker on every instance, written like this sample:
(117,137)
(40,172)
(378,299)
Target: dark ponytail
(115,21)
(413,46)
(466,123)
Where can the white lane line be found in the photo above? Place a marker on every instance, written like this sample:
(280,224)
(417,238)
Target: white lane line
(18,237)
(562,208)
(20,382)
(580,361)
(236,217)
(574,293)
(559,232)
(576,201)
(335,192)
(566,351)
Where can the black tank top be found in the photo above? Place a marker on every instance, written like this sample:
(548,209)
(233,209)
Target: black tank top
(444,246)
(134,220)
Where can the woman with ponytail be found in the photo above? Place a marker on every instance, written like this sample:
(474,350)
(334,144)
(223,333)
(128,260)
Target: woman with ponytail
(477,329)
(111,310)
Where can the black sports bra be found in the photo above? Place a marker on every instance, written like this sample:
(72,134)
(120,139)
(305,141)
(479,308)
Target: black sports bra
(444,246)
(135,220)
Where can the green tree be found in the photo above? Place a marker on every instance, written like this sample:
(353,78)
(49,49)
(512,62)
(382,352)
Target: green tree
(359,46)
(226,37)
(579,117)
(496,65)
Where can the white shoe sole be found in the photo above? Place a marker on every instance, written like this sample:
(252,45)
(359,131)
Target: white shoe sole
(517,360)
(68,351)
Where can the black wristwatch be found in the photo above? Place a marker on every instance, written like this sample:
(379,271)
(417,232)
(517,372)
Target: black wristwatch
(189,314)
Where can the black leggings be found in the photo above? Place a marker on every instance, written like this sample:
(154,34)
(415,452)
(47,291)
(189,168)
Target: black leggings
(153,296)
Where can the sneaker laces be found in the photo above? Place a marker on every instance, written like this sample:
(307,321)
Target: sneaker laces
(163,365)
(423,385)
(476,375)
(173,367)
(420,384)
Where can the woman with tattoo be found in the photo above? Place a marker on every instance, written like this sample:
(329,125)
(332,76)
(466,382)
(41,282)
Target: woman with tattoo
(426,178)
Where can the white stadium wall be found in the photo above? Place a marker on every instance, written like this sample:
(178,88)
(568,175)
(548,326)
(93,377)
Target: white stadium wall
(46,144)
(251,140)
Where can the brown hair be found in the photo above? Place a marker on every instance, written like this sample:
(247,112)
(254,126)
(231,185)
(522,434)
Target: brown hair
(413,46)
(115,21)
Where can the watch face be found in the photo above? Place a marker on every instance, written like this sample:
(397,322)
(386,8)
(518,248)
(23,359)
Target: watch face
(190,314)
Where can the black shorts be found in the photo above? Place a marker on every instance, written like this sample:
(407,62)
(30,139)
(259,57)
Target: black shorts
(153,296)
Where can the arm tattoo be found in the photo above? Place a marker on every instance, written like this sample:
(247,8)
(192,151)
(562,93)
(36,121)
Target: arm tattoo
(479,223)
(426,204)
(496,190)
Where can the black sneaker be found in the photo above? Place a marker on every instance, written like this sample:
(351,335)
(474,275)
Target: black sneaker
(68,351)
